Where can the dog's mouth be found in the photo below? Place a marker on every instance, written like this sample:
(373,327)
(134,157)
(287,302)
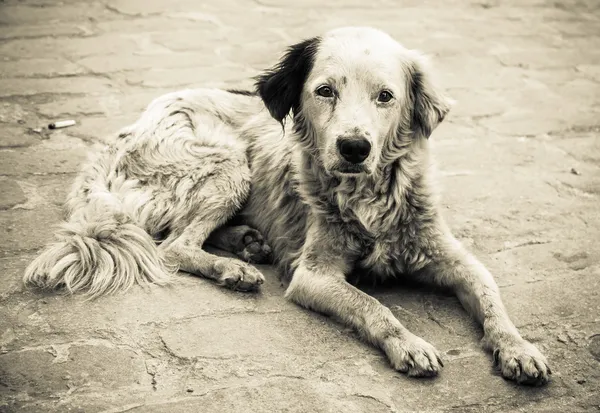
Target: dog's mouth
(348,169)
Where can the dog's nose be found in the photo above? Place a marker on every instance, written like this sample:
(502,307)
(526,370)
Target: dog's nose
(354,150)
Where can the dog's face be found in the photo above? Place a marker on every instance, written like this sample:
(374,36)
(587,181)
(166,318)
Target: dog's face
(357,97)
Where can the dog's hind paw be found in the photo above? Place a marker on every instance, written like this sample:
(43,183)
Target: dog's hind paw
(253,248)
(522,362)
(413,355)
(237,275)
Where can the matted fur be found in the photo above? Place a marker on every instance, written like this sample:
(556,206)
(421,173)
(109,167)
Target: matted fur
(198,158)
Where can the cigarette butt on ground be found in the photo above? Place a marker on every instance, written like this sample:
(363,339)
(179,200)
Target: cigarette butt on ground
(61,124)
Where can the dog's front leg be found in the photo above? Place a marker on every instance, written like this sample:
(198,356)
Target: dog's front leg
(475,287)
(319,284)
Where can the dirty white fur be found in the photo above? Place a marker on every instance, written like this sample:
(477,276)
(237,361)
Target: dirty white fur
(198,158)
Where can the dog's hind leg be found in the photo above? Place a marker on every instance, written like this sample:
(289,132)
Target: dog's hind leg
(218,198)
(247,243)
(186,250)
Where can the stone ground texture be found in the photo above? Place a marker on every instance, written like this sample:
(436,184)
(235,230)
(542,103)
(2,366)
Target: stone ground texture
(519,160)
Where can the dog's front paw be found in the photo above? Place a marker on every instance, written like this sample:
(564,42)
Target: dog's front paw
(413,355)
(522,361)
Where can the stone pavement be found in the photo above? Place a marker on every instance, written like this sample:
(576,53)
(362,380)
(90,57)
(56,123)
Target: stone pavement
(519,160)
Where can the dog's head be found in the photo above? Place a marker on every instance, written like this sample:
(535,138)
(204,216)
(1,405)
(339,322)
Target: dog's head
(358,97)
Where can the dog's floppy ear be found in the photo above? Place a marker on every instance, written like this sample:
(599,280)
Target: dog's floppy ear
(430,105)
(280,87)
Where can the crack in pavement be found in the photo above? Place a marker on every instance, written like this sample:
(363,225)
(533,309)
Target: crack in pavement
(369,397)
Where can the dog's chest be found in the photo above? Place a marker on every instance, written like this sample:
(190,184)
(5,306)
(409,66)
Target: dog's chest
(380,260)
(379,238)
(390,239)
(370,218)
(367,212)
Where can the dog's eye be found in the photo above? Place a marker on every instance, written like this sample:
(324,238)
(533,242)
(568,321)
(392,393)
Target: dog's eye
(384,96)
(325,91)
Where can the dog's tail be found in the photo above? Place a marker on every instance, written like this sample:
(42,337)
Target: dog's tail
(102,248)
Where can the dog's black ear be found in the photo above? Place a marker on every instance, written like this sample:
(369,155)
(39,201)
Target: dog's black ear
(280,87)
(430,105)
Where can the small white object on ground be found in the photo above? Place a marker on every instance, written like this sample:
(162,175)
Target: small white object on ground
(61,124)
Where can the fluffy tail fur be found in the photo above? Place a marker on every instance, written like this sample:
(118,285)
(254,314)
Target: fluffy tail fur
(101,249)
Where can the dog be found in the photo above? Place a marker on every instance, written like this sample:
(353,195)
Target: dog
(327,160)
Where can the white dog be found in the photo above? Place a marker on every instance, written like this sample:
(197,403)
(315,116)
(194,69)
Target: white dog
(342,188)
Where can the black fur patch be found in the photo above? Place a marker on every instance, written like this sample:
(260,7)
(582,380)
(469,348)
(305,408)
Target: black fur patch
(280,87)
(243,92)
